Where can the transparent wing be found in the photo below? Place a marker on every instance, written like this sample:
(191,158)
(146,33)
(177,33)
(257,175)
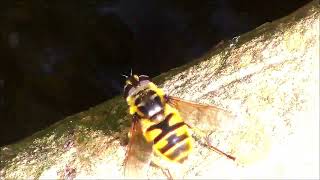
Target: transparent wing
(206,118)
(138,155)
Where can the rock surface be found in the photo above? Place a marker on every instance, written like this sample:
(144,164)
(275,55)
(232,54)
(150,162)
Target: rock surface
(268,78)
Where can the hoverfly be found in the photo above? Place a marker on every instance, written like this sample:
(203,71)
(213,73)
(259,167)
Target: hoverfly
(162,125)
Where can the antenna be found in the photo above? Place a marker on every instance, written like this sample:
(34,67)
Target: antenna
(124,75)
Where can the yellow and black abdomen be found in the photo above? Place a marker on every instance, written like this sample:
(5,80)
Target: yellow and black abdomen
(171,137)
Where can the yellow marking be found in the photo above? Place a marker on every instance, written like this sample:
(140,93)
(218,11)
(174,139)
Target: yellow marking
(130,100)
(176,146)
(151,135)
(160,144)
(158,91)
(158,153)
(176,118)
(168,109)
(182,130)
(128,82)
(145,124)
(132,110)
(136,77)
(163,142)
(132,107)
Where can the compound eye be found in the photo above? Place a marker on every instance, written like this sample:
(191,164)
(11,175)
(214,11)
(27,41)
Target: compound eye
(143,79)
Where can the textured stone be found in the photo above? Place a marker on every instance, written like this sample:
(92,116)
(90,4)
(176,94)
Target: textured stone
(267,77)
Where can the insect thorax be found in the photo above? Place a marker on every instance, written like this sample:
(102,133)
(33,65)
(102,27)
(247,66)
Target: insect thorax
(147,102)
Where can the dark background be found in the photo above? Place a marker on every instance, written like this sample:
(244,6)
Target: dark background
(62,57)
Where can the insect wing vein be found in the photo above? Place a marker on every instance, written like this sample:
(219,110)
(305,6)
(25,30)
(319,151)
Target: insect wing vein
(205,117)
(138,155)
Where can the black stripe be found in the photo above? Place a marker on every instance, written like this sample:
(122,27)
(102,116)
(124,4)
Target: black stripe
(137,101)
(150,93)
(164,127)
(183,148)
(144,95)
(165,123)
(143,109)
(127,89)
(157,99)
(173,140)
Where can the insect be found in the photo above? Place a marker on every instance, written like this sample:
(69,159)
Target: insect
(162,125)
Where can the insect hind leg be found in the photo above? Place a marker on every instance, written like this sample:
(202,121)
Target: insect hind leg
(208,144)
(165,171)
(218,150)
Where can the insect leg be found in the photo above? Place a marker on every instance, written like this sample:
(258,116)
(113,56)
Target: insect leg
(165,171)
(208,144)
